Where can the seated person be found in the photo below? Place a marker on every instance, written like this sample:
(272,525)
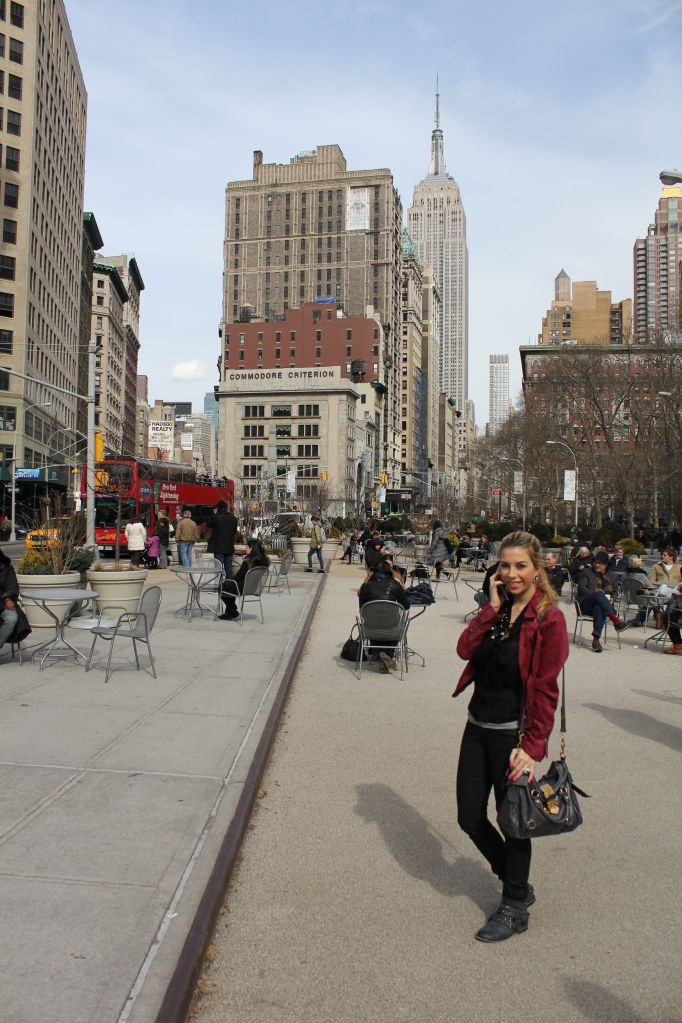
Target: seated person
(674,620)
(594,593)
(9,594)
(255,557)
(618,562)
(555,573)
(462,547)
(398,573)
(374,549)
(668,569)
(381,584)
(353,546)
(580,562)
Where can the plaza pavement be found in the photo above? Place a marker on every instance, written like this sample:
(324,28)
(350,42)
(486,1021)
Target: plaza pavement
(356,898)
(121,804)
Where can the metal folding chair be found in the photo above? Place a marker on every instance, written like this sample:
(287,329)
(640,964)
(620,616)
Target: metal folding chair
(382,625)
(279,573)
(136,626)
(580,617)
(254,581)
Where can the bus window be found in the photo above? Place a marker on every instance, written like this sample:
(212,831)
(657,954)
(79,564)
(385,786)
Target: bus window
(106,512)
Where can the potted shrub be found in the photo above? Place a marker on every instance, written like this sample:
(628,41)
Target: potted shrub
(118,586)
(330,547)
(55,556)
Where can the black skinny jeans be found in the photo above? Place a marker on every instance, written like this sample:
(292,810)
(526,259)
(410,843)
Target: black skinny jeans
(483,764)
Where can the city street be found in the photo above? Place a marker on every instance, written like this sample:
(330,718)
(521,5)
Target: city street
(356,896)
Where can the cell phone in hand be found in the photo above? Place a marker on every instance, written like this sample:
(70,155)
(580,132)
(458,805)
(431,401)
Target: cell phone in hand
(505,596)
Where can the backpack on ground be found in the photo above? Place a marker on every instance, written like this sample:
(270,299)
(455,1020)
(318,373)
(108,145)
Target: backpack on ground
(420,594)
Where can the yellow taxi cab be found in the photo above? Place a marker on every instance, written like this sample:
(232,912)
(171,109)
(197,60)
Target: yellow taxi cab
(45,537)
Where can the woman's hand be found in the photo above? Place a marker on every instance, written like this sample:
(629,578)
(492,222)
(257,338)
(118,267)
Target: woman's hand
(496,598)
(519,764)
(8,604)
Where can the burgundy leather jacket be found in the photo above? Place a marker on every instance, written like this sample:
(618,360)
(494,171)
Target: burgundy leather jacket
(543,651)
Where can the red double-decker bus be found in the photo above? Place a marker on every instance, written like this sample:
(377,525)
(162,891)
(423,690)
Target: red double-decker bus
(148,489)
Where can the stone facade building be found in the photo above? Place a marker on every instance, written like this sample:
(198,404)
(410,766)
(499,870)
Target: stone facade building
(311,229)
(109,297)
(129,273)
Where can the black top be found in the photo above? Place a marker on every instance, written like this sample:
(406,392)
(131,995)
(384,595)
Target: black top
(9,587)
(557,577)
(163,533)
(373,551)
(223,527)
(383,587)
(498,689)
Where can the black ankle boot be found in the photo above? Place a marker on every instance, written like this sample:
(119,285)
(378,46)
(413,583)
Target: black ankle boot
(511,918)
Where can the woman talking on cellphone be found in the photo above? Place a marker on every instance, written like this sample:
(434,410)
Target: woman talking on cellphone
(516,647)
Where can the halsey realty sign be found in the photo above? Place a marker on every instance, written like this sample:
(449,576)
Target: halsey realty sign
(161,433)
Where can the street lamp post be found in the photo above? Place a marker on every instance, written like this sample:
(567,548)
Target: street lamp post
(575,464)
(90,398)
(671,177)
(13,525)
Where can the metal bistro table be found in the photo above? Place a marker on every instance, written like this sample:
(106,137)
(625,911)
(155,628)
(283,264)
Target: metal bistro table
(197,578)
(59,646)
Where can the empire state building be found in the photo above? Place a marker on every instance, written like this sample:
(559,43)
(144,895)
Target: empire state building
(437,225)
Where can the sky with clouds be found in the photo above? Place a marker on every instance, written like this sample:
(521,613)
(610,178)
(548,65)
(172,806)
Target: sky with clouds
(557,120)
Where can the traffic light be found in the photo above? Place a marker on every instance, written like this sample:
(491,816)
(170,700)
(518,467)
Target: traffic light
(384,478)
(99,447)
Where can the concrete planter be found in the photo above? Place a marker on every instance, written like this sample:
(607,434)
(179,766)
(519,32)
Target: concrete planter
(330,550)
(117,590)
(37,618)
(300,545)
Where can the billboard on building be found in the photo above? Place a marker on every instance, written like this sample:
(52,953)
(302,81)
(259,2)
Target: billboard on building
(186,440)
(357,209)
(161,433)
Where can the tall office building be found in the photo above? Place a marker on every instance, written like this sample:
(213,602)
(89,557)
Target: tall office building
(109,297)
(129,273)
(582,314)
(311,229)
(42,138)
(658,273)
(498,397)
(437,224)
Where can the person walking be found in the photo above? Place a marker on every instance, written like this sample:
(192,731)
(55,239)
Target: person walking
(516,647)
(438,551)
(163,533)
(186,535)
(136,538)
(9,594)
(316,541)
(223,528)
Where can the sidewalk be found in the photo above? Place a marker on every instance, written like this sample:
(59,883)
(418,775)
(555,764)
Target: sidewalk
(115,801)
(357,897)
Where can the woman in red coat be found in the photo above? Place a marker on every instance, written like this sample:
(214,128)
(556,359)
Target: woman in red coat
(516,648)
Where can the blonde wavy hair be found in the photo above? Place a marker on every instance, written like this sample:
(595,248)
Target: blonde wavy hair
(530,543)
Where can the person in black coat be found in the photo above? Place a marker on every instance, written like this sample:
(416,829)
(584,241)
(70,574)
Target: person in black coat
(382,585)
(223,527)
(163,533)
(255,557)
(555,573)
(374,549)
(9,594)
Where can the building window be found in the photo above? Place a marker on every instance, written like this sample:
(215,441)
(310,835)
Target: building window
(254,450)
(283,451)
(349,351)
(6,304)
(6,342)
(292,335)
(308,411)
(13,122)
(308,430)
(307,450)
(254,430)
(281,412)
(14,86)
(16,15)
(283,430)
(9,231)
(16,51)
(7,264)
(254,411)
(12,158)
(100,299)
(8,417)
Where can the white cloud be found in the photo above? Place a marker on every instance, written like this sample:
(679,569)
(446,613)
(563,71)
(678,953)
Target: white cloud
(192,370)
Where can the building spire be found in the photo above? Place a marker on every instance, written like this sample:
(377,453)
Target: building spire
(437,164)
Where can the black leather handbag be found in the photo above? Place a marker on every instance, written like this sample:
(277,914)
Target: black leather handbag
(351,648)
(547,805)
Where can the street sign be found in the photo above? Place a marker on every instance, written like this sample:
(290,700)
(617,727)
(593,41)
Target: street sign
(496,491)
